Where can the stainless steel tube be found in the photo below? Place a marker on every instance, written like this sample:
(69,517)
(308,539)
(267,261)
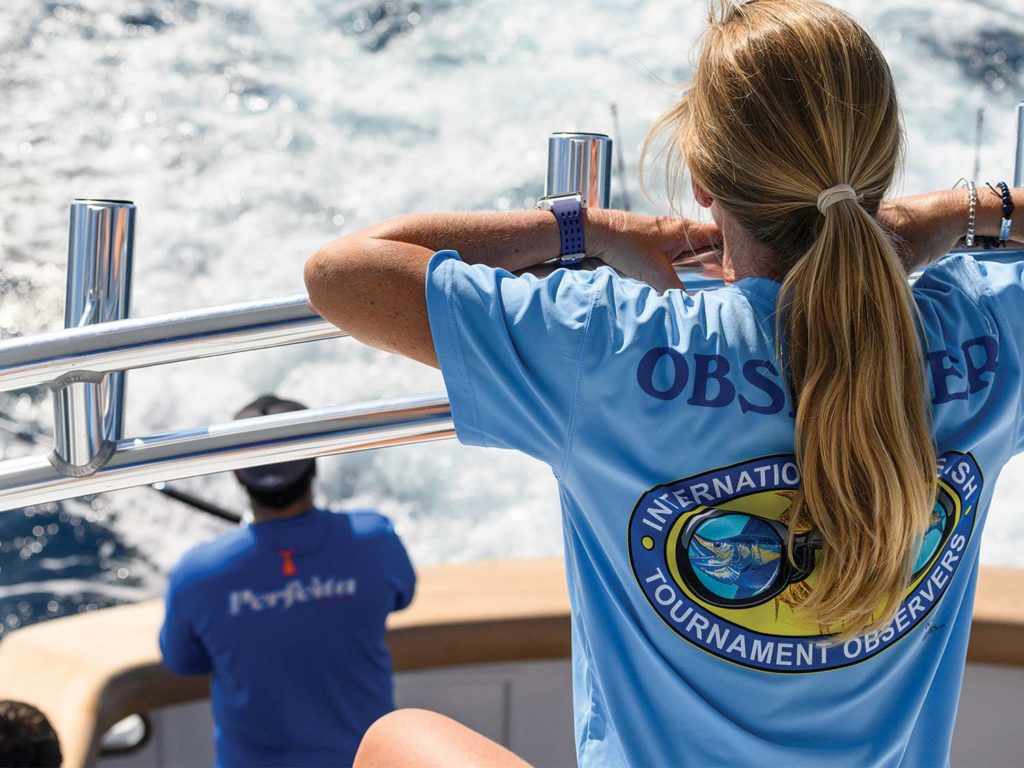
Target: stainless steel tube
(580,162)
(245,443)
(88,419)
(1018,168)
(100,246)
(139,343)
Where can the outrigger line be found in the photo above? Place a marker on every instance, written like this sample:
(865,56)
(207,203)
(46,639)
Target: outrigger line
(619,161)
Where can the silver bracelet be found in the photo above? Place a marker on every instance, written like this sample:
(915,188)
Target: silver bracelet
(972,212)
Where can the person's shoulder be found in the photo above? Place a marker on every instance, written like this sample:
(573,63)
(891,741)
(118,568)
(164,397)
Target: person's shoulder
(630,299)
(210,559)
(959,274)
(960,285)
(961,294)
(364,522)
(629,312)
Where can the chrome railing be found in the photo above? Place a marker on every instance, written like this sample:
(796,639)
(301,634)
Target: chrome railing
(96,458)
(126,344)
(222,447)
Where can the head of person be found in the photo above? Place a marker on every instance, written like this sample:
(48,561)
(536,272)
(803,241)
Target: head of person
(282,487)
(790,99)
(27,739)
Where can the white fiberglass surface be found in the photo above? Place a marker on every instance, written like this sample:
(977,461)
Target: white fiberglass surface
(249,133)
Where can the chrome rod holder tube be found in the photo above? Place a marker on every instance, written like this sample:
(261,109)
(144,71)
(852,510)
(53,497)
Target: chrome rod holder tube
(580,163)
(89,407)
(1018,168)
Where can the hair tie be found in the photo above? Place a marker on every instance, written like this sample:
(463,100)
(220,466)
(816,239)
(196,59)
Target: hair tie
(835,194)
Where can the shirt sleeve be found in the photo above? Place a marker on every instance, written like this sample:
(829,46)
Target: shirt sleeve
(181,648)
(510,350)
(403,576)
(1006,284)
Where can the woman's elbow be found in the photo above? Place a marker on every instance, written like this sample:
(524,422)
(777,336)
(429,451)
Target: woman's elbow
(321,272)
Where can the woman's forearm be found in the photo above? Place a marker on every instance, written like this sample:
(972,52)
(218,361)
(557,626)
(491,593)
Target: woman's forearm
(929,225)
(370,283)
(513,240)
(519,240)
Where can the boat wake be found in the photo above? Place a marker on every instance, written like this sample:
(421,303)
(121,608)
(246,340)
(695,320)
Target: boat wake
(251,133)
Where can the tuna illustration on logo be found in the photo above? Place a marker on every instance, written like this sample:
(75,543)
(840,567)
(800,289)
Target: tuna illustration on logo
(287,562)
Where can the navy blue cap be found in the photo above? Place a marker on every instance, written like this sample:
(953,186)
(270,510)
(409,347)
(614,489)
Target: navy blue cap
(269,478)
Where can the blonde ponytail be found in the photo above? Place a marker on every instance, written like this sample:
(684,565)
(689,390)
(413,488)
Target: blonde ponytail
(790,98)
(863,441)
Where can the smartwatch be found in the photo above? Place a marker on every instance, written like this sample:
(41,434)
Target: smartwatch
(568,210)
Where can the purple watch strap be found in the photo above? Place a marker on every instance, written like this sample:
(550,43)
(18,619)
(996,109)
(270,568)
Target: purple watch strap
(568,214)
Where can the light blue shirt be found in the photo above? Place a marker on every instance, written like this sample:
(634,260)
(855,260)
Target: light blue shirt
(654,409)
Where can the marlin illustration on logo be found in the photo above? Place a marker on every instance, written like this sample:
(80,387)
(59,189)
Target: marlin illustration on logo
(740,559)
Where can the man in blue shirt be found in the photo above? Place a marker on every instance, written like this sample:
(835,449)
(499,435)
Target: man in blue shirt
(287,615)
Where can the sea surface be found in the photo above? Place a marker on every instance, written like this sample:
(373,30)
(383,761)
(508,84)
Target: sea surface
(249,132)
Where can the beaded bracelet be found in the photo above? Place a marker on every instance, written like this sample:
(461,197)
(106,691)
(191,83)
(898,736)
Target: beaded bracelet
(1004,194)
(972,212)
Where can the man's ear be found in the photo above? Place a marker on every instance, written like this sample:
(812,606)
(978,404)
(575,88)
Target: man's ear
(701,195)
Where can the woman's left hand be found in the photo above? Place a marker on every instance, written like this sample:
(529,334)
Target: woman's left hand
(645,247)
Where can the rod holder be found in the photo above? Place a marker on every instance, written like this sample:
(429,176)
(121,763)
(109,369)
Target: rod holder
(1018,168)
(89,407)
(580,163)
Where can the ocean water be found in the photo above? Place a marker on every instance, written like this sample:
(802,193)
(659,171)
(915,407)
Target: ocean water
(249,132)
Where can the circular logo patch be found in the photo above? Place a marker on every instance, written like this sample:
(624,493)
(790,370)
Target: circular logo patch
(709,553)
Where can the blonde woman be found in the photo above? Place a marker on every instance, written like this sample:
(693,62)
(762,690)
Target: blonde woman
(773,493)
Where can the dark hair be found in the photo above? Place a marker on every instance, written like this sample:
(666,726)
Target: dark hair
(282,497)
(27,740)
(275,485)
